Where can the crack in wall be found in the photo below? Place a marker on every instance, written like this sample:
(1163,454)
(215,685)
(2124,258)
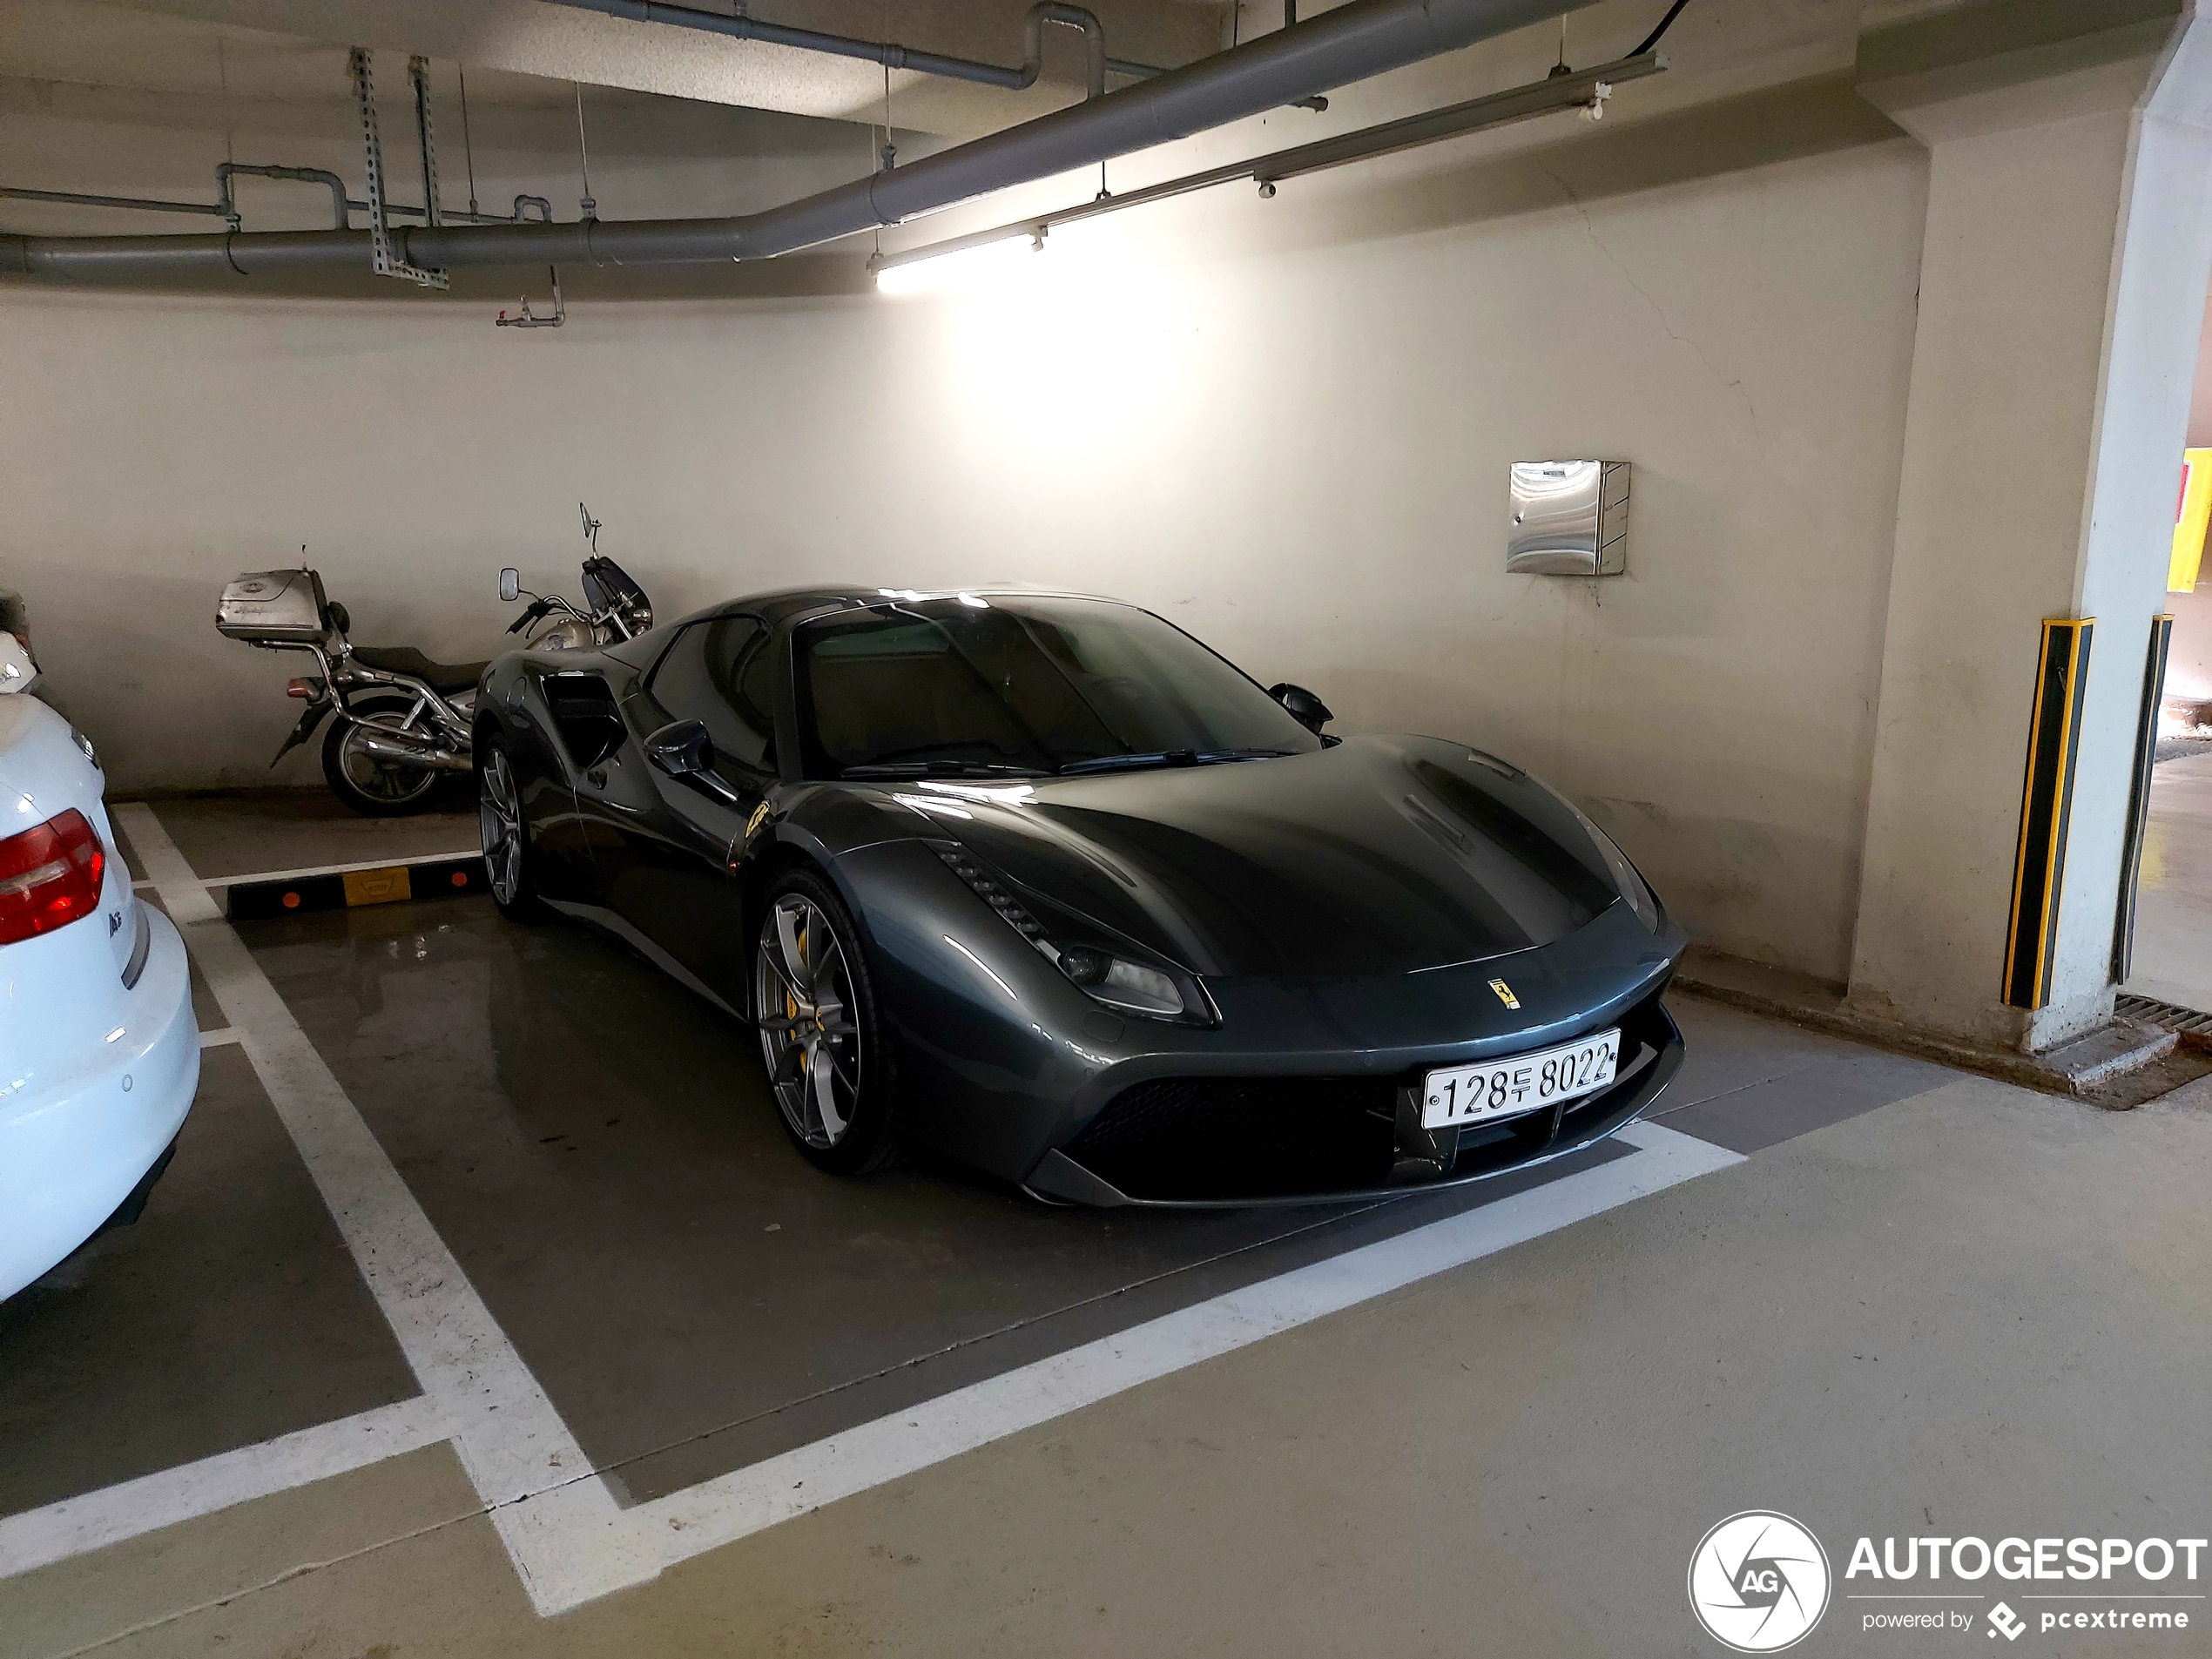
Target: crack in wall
(1725,382)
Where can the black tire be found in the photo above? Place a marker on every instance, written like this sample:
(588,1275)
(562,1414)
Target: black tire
(371,787)
(511,862)
(842,1119)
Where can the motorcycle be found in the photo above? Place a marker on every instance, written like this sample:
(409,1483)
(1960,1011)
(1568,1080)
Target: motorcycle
(402,720)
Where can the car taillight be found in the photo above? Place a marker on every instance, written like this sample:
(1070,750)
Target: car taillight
(50,876)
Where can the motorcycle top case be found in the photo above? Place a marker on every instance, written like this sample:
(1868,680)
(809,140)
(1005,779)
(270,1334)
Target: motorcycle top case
(274,608)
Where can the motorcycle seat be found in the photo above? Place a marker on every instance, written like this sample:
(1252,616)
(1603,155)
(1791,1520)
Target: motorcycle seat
(405,659)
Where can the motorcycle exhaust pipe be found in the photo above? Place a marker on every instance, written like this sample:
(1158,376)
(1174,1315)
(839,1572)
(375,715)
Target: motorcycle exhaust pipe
(388,748)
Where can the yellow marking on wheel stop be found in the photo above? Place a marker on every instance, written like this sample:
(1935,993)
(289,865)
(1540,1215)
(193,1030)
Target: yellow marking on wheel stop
(377,886)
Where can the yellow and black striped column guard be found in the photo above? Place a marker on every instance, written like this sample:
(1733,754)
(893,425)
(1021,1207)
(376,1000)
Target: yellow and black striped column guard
(2046,805)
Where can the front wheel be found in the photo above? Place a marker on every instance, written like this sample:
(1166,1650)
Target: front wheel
(821,1036)
(371,785)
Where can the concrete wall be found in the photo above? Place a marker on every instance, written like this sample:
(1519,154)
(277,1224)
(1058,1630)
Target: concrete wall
(1285,426)
(2067,253)
(2188,665)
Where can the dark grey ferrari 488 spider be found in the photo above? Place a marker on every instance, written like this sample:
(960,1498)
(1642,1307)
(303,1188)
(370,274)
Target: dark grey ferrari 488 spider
(1045,884)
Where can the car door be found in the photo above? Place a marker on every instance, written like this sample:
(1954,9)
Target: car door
(664,864)
(580,726)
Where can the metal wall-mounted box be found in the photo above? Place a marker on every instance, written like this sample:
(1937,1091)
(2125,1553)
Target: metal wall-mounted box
(1569,518)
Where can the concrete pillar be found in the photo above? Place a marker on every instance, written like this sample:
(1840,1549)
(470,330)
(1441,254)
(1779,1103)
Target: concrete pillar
(2068,247)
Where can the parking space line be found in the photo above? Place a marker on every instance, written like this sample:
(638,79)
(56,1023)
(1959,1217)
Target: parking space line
(569,1540)
(219,1037)
(71,1527)
(747,1500)
(521,1458)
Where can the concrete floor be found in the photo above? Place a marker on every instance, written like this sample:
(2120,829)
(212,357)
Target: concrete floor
(1886,1298)
(2173,959)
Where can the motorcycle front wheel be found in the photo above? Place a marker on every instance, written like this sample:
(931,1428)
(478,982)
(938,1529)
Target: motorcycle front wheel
(369,784)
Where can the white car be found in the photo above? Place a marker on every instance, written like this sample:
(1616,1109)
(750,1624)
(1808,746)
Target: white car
(99,1052)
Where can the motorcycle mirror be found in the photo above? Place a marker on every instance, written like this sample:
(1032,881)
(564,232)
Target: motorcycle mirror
(1302,706)
(681,748)
(510,584)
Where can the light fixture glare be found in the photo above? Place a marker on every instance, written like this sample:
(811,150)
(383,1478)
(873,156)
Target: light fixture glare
(983,263)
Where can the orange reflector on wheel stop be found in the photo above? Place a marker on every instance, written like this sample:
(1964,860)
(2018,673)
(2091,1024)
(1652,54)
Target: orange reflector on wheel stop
(377,886)
(459,878)
(291,901)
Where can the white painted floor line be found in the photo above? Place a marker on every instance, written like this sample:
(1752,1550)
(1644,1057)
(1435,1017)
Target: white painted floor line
(219,1036)
(569,1540)
(214,881)
(511,1439)
(747,1500)
(40,1537)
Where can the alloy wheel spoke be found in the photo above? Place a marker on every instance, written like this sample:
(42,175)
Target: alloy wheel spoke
(768,961)
(824,1081)
(829,961)
(789,918)
(787,1065)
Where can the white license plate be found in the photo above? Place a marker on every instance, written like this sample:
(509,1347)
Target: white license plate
(1522,1082)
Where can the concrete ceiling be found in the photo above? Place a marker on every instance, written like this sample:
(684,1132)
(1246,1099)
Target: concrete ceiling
(283,51)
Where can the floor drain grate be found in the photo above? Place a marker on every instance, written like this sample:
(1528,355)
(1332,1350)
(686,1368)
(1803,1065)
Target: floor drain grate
(2167,1016)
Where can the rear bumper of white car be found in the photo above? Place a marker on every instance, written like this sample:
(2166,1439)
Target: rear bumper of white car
(75,1142)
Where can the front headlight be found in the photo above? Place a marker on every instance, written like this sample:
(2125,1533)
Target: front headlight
(1120,983)
(1632,885)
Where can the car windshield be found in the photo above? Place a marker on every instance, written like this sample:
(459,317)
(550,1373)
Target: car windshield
(1022,687)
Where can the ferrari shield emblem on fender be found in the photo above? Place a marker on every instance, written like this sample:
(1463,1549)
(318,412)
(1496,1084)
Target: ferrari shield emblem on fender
(760,815)
(1505,993)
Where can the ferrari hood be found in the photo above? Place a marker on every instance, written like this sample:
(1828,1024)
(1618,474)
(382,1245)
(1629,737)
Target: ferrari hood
(1377,856)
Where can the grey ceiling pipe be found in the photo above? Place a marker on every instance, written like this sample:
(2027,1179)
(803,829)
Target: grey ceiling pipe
(1366,38)
(891,57)
(226,205)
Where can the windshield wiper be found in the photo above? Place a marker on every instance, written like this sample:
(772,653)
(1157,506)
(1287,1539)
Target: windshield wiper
(1167,757)
(938,769)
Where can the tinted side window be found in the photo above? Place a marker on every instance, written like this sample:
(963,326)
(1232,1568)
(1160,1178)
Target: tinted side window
(718,672)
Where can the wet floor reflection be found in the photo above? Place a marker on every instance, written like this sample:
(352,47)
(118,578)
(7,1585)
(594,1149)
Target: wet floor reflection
(597,1147)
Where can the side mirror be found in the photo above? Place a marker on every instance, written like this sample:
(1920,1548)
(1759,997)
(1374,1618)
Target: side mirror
(1307,709)
(510,584)
(682,749)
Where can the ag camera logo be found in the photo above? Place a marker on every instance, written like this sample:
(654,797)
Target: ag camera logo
(1758,1582)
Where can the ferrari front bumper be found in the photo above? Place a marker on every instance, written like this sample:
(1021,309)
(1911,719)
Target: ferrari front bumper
(1219,1142)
